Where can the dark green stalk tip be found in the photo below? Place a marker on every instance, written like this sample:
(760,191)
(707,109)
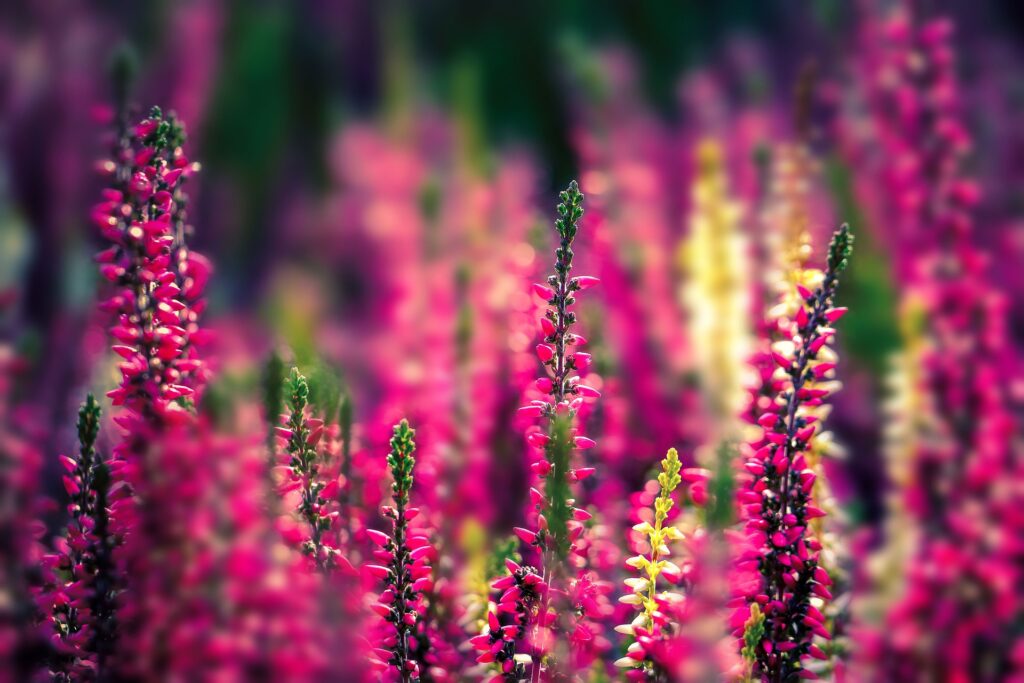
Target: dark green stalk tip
(840,248)
(401,460)
(298,390)
(88,423)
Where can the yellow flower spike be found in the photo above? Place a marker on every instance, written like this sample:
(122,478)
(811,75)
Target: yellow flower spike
(643,589)
(713,259)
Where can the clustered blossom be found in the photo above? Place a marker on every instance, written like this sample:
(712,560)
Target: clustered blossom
(79,600)
(520,591)
(954,610)
(559,522)
(316,496)
(779,609)
(158,281)
(788,217)
(406,570)
(158,474)
(653,619)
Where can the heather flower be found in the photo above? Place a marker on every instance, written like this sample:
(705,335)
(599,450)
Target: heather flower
(788,585)
(302,435)
(158,281)
(789,276)
(559,522)
(651,620)
(953,610)
(80,599)
(159,478)
(406,571)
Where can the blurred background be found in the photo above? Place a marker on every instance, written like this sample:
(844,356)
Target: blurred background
(378,181)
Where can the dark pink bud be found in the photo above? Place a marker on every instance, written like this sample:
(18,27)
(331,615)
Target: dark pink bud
(834,314)
(378,537)
(525,534)
(583,443)
(543,292)
(531,411)
(538,439)
(378,571)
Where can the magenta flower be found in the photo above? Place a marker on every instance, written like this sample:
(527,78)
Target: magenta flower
(79,595)
(779,616)
(317,495)
(406,571)
(555,602)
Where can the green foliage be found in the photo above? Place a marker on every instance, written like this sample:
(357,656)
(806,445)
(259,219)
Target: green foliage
(558,512)
(719,512)
(504,549)
(88,428)
(272,384)
(871,336)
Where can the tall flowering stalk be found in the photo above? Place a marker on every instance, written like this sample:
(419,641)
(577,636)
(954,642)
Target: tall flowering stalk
(159,477)
(789,213)
(316,497)
(80,600)
(559,524)
(956,615)
(780,614)
(406,572)
(159,281)
(652,620)
(714,257)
